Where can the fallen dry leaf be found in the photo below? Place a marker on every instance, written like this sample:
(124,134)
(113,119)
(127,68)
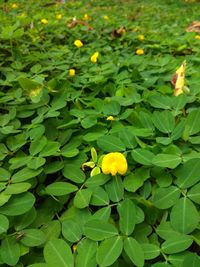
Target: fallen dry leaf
(194,27)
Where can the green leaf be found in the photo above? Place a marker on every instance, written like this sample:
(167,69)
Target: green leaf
(25,220)
(127,214)
(102,214)
(136,179)
(19,188)
(176,244)
(71,230)
(111,108)
(128,138)
(110,143)
(36,163)
(184,216)
(109,251)
(60,188)
(73,173)
(58,253)
(99,197)
(89,121)
(166,160)
(4,198)
(164,198)
(160,101)
(10,251)
(24,175)
(194,193)
(99,179)
(98,230)
(142,156)
(193,121)
(52,148)
(51,230)
(82,198)
(188,174)
(32,237)
(4,224)
(191,260)
(38,265)
(37,145)
(115,189)
(3,151)
(151,251)
(165,230)
(4,175)
(28,85)
(134,250)
(18,204)
(163,121)
(86,252)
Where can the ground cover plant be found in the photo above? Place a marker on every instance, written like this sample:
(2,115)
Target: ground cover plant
(99,133)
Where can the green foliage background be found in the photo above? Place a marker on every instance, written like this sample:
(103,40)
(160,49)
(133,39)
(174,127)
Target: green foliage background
(52,213)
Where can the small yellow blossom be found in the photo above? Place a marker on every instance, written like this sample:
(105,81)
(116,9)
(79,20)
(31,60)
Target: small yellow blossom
(72,72)
(105,17)
(74,248)
(110,118)
(78,43)
(94,57)
(59,16)
(178,79)
(139,52)
(86,17)
(14,6)
(197,37)
(141,37)
(44,21)
(114,163)
(35,92)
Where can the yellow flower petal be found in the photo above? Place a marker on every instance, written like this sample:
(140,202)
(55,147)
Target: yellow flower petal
(44,21)
(141,37)
(72,72)
(139,52)
(105,17)
(59,16)
(86,17)
(78,43)
(197,37)
(14,6)
(110,118)
(94,57)
(178,79)
(113,163)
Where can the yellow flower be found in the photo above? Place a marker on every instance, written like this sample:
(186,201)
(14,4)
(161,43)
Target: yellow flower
(94,57)
(110,118)
(14,6)
(86,17)
(178,79)
(114,163)
(44,21)
(105,17)
(139,52)
(197,37)
(141,37)
(59,16)
(74,248)
(72,72)
(78,43)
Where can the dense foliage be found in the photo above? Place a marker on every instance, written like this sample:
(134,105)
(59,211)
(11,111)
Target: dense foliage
(80,80)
